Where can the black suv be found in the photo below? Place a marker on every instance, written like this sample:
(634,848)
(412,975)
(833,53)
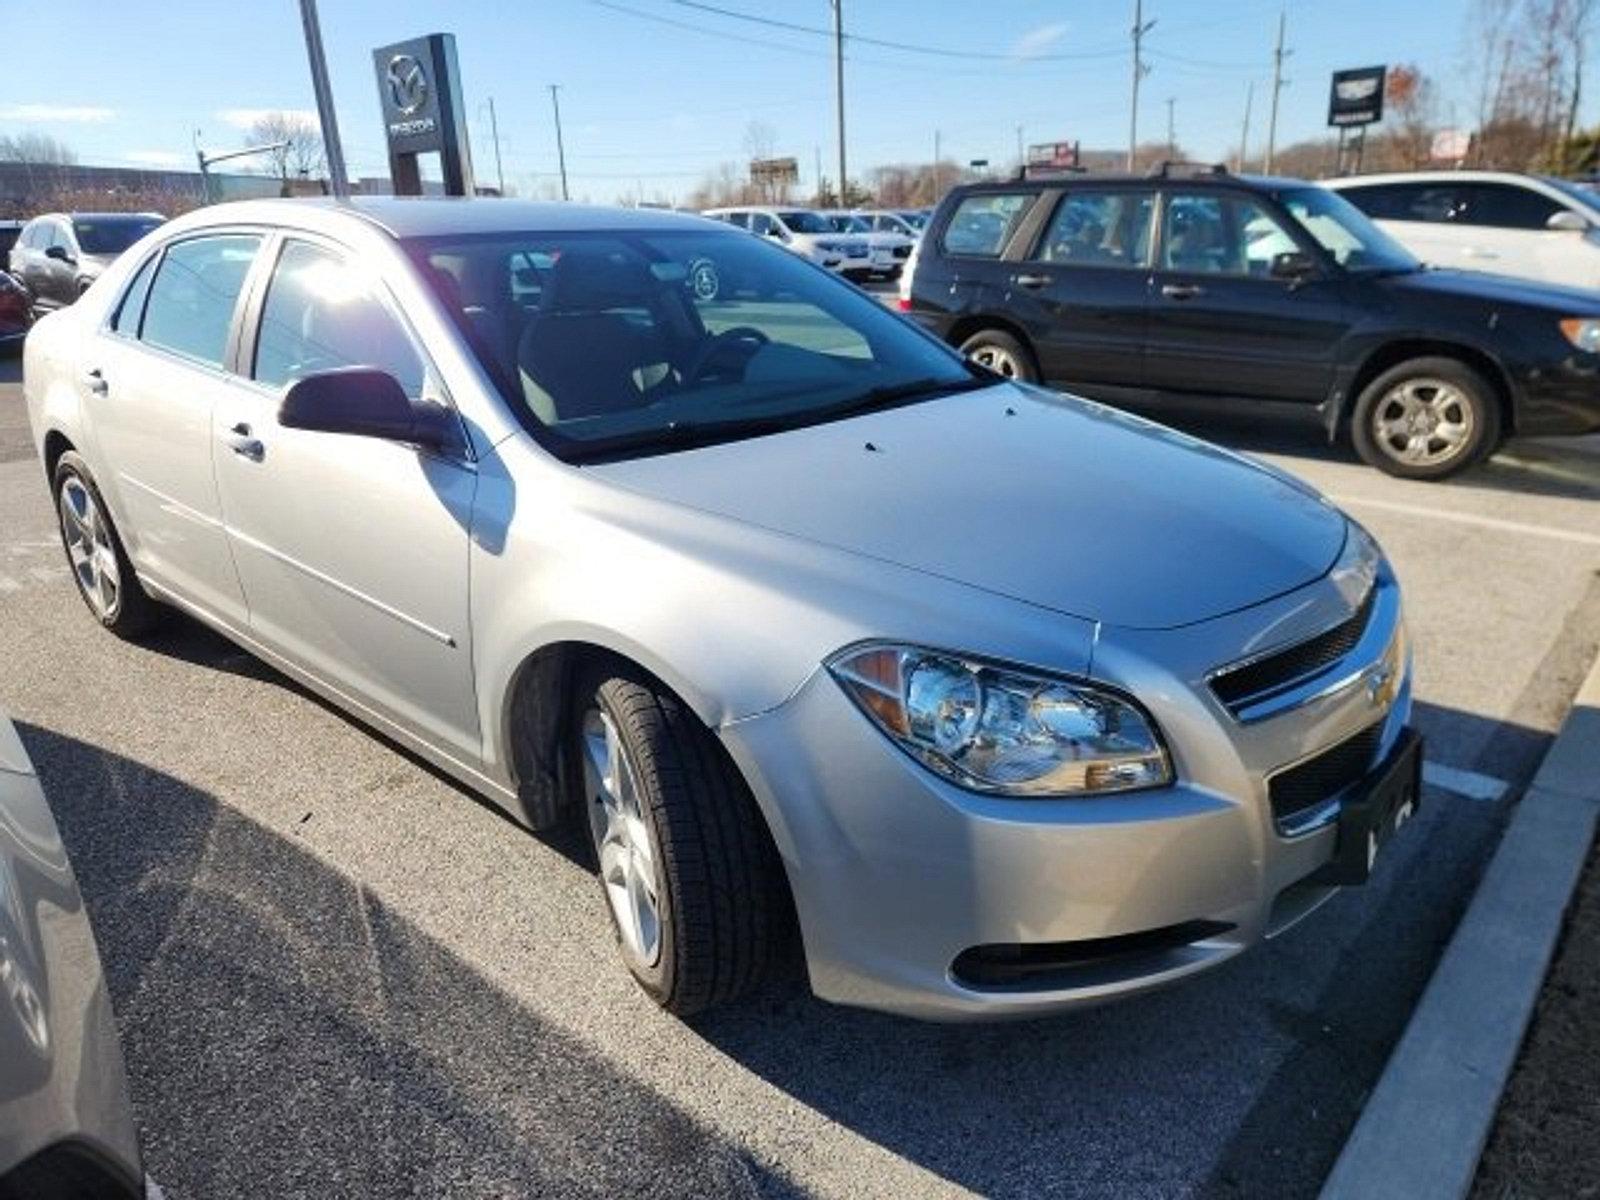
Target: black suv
(1270,295)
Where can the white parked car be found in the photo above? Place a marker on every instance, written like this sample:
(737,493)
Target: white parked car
(896,243)
(1532,226)
(809,234)
(883,220)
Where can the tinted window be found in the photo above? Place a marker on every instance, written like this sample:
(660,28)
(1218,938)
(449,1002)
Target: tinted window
(1099,229)
(1431,203)
(982,224)
(763,224)
(132,306)
(196,287)
(805,221)
(111,235)
(321,314)
(1220,234)
(1505,206)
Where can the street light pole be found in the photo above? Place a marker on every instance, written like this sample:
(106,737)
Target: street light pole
(561,150)
(1140,28)
(1278,55)
(1244,134)
(494,132)
(838,87)
(337,179)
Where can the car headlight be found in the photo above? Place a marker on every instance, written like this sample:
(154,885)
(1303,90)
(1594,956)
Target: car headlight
(1000,729)
(1583,332)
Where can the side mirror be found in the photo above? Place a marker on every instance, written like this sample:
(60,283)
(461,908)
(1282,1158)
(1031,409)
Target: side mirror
(365,402)
(1564,220)
(1294,265)
(59,253)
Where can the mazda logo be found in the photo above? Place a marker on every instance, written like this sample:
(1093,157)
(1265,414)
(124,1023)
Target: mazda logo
(408,83)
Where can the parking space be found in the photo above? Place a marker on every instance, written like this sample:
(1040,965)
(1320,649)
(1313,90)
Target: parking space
(337,973)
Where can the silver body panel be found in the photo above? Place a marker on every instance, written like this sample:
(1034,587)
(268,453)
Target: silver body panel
(61,1071)
(1008,524)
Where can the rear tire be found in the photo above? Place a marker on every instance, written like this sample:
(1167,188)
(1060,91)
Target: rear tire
(100,568)
(1003,354)
(692,881)
(1426,418)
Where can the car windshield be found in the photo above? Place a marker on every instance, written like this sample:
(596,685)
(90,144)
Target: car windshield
(801,221)
(1345,232)
(847,223)
(111,235)
(625,343)
(1578,193)
(914,219)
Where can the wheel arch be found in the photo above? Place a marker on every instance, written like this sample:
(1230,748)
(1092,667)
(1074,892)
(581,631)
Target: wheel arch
(966,326)
(54,446)
(1392,354)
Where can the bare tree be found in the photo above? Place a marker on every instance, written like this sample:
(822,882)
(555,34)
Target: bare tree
(298,152)
(1409,97)
(36,148)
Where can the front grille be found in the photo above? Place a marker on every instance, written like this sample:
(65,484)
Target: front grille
(1319,779)
(1238,687)
(855,251)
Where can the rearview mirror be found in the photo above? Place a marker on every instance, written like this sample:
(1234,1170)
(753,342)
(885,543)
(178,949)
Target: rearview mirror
(1566,221)
(1293,265)
(365,402)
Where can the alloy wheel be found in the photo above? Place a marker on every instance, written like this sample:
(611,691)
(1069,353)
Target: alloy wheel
(1423,422)
(621,836)
(998,360)
(89,549)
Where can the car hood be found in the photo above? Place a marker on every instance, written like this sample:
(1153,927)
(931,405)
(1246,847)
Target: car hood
(1047,499)
(1496,289)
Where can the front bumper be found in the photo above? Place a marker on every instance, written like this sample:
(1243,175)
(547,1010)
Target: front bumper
(900,877)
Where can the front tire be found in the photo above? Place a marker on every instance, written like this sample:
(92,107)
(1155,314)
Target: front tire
(1001,353)
(1427,418)
(691,879)
(100,567)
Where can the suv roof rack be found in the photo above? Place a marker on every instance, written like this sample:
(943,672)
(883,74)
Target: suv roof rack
(1167,167)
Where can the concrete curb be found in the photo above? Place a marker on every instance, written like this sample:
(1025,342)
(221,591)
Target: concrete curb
(1424,1127)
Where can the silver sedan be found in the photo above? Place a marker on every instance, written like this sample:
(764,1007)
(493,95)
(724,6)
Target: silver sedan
(1001,700)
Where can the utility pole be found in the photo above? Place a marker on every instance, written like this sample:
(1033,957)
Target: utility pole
(1172,135)
(337,179)
(1022,156)
(817,152)
(494,132)
(561,150)
(1278,55)
(838,88)
(1140,28)
(1244,134)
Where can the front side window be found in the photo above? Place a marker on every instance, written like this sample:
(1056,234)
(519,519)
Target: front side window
(1216,233)
(111,235)
(321,314)
(1100,229)
(190,307)
(804,221)
(982,224)
(653,341)
(1504,206)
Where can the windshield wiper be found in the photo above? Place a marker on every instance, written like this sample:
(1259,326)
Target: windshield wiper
(891,394)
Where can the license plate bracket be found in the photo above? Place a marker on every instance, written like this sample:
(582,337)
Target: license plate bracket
(1373,811)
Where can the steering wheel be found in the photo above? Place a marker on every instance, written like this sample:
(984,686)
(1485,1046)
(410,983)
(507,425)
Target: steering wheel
(746,334)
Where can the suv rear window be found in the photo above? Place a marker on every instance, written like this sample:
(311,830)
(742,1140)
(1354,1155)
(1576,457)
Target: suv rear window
(982,224)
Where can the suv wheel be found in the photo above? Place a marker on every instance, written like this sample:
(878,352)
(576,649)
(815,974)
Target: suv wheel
(690,876)
(1426,419)
(1002,354)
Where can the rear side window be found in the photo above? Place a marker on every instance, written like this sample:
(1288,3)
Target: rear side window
(191,301)
(132,306)
(982,224)
(1099,229)
(320,315)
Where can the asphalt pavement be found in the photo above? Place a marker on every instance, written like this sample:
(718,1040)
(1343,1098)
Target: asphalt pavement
(338,974)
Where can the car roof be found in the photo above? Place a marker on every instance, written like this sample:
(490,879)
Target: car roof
(1517,177)
(433,216)
(1199,179)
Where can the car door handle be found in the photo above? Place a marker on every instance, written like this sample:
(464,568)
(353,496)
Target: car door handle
(1032,281)
(1182,291)
(245,446)
(95,382)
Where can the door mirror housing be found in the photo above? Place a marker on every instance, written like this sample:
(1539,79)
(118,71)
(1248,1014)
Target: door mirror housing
(365,402)
(1294,265)
(59,253)
(1566,221)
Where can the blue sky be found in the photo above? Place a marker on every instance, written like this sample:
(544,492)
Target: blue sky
(656,92)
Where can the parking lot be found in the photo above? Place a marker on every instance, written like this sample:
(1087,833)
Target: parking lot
(338,974)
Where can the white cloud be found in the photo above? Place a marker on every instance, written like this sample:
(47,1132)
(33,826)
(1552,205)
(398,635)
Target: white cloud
(154,158)
(82,113)
(1037,41)
(246,118)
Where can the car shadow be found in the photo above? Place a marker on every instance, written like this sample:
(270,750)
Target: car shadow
(286,1033)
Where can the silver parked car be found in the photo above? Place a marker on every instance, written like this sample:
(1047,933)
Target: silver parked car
(66,1126)
(1009,700)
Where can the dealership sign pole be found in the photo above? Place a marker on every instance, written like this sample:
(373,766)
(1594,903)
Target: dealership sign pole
(1354,102)
(319,84)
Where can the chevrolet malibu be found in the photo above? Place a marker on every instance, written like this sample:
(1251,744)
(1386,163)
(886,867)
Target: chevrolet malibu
(1007,701)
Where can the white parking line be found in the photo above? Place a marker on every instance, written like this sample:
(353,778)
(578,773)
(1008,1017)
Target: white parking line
(1469,784)
(1461,518)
